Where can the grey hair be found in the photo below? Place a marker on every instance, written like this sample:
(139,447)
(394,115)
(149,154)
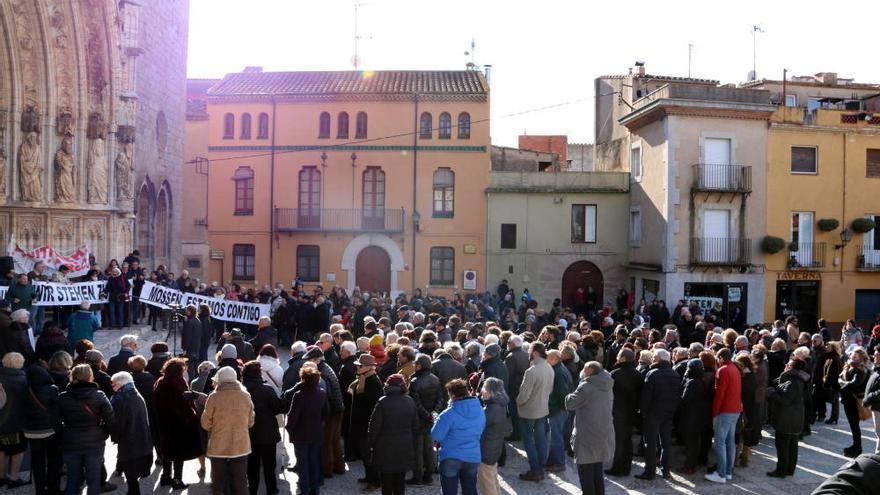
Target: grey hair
(127,340)
(454,349)
(18,313)
(595,366)
(122,378)
(400,327)
(742,339)
(298,347)
(696,348)
(515,341)
(363,343)
(473,348)
(348,346)
(495,387)
(206,367)
(662,355)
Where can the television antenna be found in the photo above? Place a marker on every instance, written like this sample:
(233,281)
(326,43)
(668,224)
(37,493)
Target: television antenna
(755,30)
(471,53)
(356,59)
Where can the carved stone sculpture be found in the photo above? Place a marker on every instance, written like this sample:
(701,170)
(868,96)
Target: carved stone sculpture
(30,168)
(65,190)
(30,120)
(96,164)
(123,172)
(97,128)
(2,172)
(64,125)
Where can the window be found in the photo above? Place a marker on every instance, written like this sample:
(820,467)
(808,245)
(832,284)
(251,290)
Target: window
(243,262)
(813,103)
(193,263)
(791,100)
(244,191)
(361,126)
(342,126)
(309,201)
(308,263)
(425,125)
(245,126)
(374,198)
(802,238)
(445,126)
(872,163)
(444,193)
(464,125)
(508,236)
(803,160)
(263,126)
(635,227)
(324,126)
(635,162)
(228,126)
(583,223)
(442,266)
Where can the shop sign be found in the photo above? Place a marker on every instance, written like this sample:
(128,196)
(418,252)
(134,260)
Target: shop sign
(798,275)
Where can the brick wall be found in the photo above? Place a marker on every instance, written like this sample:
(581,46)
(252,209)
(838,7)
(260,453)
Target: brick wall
(551,144)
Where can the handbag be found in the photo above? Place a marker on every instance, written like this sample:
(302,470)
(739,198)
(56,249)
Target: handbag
(864,412)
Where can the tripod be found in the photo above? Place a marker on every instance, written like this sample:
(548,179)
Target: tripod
(173,322)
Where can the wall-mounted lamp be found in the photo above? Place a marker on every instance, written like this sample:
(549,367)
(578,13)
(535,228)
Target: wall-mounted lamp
(846,235)
(354,157)
(416,218)
(324,159)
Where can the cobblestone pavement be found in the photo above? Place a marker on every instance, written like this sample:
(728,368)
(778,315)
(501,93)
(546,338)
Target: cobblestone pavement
(819,456)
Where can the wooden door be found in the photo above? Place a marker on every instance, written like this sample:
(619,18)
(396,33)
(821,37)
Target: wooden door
(581,274)
(373,270)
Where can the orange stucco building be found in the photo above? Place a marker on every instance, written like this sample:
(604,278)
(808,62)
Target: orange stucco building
(368,179)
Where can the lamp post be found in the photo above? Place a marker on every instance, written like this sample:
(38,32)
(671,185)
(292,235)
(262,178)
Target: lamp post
(354,157)
(846,235)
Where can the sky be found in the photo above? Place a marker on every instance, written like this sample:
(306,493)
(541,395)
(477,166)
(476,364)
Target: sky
(544,53)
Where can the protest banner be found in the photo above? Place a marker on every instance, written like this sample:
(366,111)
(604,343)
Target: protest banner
(77,261)
(55,294)
(222,309)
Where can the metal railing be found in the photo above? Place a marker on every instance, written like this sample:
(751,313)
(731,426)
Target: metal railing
(727,251)
(868,259)
(722,178)
(807,255)
(339,220)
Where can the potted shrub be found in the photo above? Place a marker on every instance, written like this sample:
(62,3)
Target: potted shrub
(862,225)
(793,247)
(772,245)
(828,224)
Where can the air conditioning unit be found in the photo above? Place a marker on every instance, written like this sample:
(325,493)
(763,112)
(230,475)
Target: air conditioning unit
(469,279)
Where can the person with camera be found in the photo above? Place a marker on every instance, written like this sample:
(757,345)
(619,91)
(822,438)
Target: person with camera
(117,294)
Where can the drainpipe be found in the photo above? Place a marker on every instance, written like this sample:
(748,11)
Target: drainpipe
(272,202)
(415,174)
(843,208)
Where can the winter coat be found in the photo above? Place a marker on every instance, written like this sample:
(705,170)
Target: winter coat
(728,390)
(176,420)
(362,405)
(661,393)
(291,374)
(14,382)
(752,413)
(334,393)
(872,390)
(132,428)
(331,357)
(562,386)
(144,383)
(391,433)
(40,401)
(694,407)
(267,405)
(229,414)
(517,362)
(787,395)
(265,336)
(49,342)
(447,369)
(307,413)
(859,476)
(498,427)
(458,430)
(24,293)
(776,362)
(155,364)
(852,382)
(84,428)
(493,368)
(273,376)
(191,336)
(425,390)
(534,393)
(832,371)
(119,362)
(593,436)
(627,392)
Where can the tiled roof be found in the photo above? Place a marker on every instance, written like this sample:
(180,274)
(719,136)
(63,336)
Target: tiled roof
(361,83)
(196,109)
(663,78)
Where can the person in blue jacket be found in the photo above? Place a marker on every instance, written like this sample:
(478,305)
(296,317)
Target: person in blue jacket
(458,430)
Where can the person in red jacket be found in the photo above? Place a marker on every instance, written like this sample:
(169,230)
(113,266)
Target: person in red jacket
(726,408)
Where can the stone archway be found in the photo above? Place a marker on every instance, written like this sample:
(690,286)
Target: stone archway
(582,275)
(358,244)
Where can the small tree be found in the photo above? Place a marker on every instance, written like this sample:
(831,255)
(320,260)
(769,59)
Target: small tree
(772,245)
(862,225)
(828,224)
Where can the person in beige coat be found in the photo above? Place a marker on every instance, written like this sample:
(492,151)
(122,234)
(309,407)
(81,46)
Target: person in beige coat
(229,414)
(533,403)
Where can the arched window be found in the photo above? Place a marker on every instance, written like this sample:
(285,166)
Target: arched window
(374,198)
(228,126)
(425,125)
(263,126)
(445,126)
(342,126)
(464,125)
(244,191)
(144,214)
(162,225)
(324,126)
(245,126)
(361,126)
(309,213)
(444,193)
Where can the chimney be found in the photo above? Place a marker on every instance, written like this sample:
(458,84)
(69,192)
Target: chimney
(253,69)
(829,78)
(487,69)
(640,68)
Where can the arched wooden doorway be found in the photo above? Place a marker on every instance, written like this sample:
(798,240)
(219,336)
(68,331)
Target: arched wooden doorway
(583,275)
(373,270)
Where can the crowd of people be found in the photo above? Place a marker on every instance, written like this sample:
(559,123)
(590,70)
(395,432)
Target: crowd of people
(416,388)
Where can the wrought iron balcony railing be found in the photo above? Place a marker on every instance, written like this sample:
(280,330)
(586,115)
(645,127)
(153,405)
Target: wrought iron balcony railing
(727,251)
(339,220)
(722,178)
(807,255)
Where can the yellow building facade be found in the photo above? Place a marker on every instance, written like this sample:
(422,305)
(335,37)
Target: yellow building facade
(359,179)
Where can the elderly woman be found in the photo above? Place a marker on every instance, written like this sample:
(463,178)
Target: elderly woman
(830,380)
(117,295)
(787,396)
(391,435)
(498,426)
(20,336)
(264,435)
(229,414)
(85,416)
(852,388)
(177,422)
(12,420)
(40,415)
(593,439)
(305,424)
(132,431)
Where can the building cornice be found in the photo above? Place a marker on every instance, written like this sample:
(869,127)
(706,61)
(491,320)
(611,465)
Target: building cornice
(784,126)
(350,147)
(696,108)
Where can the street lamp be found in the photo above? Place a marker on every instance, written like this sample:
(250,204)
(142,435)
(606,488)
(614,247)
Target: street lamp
(846,235)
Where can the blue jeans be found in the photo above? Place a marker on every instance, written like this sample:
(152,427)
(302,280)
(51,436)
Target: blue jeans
(117,315)
(79,460)
(725,442)
(557,438)
(535,442)
(308,466)
(453,471)
(38,317)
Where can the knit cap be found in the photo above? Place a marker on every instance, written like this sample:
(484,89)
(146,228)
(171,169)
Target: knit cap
(225,375)
(228,352)
(376,340)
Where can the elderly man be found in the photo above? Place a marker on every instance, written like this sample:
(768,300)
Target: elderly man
(426,391)
(82,324)
(331,357)
(266,334)
(128,345)
(593,440)
(297,358)
(332,461)
(680,360)
(627,390)
(365,392)
(562,386)
(533,405)
(517,361)
(660,396)
(132,432)
(447,368)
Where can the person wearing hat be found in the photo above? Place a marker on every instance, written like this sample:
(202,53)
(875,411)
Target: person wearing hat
(229,414)
(159,355)
(331,451)
(403,314)
(244,349)
(426,391)
(694,408)
(365,391)
(377,349)
(391,435)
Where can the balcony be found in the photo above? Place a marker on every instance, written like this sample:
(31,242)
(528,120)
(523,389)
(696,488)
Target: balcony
(733,251)
(722,178)
(868,259)
(339,220)
(808,256)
